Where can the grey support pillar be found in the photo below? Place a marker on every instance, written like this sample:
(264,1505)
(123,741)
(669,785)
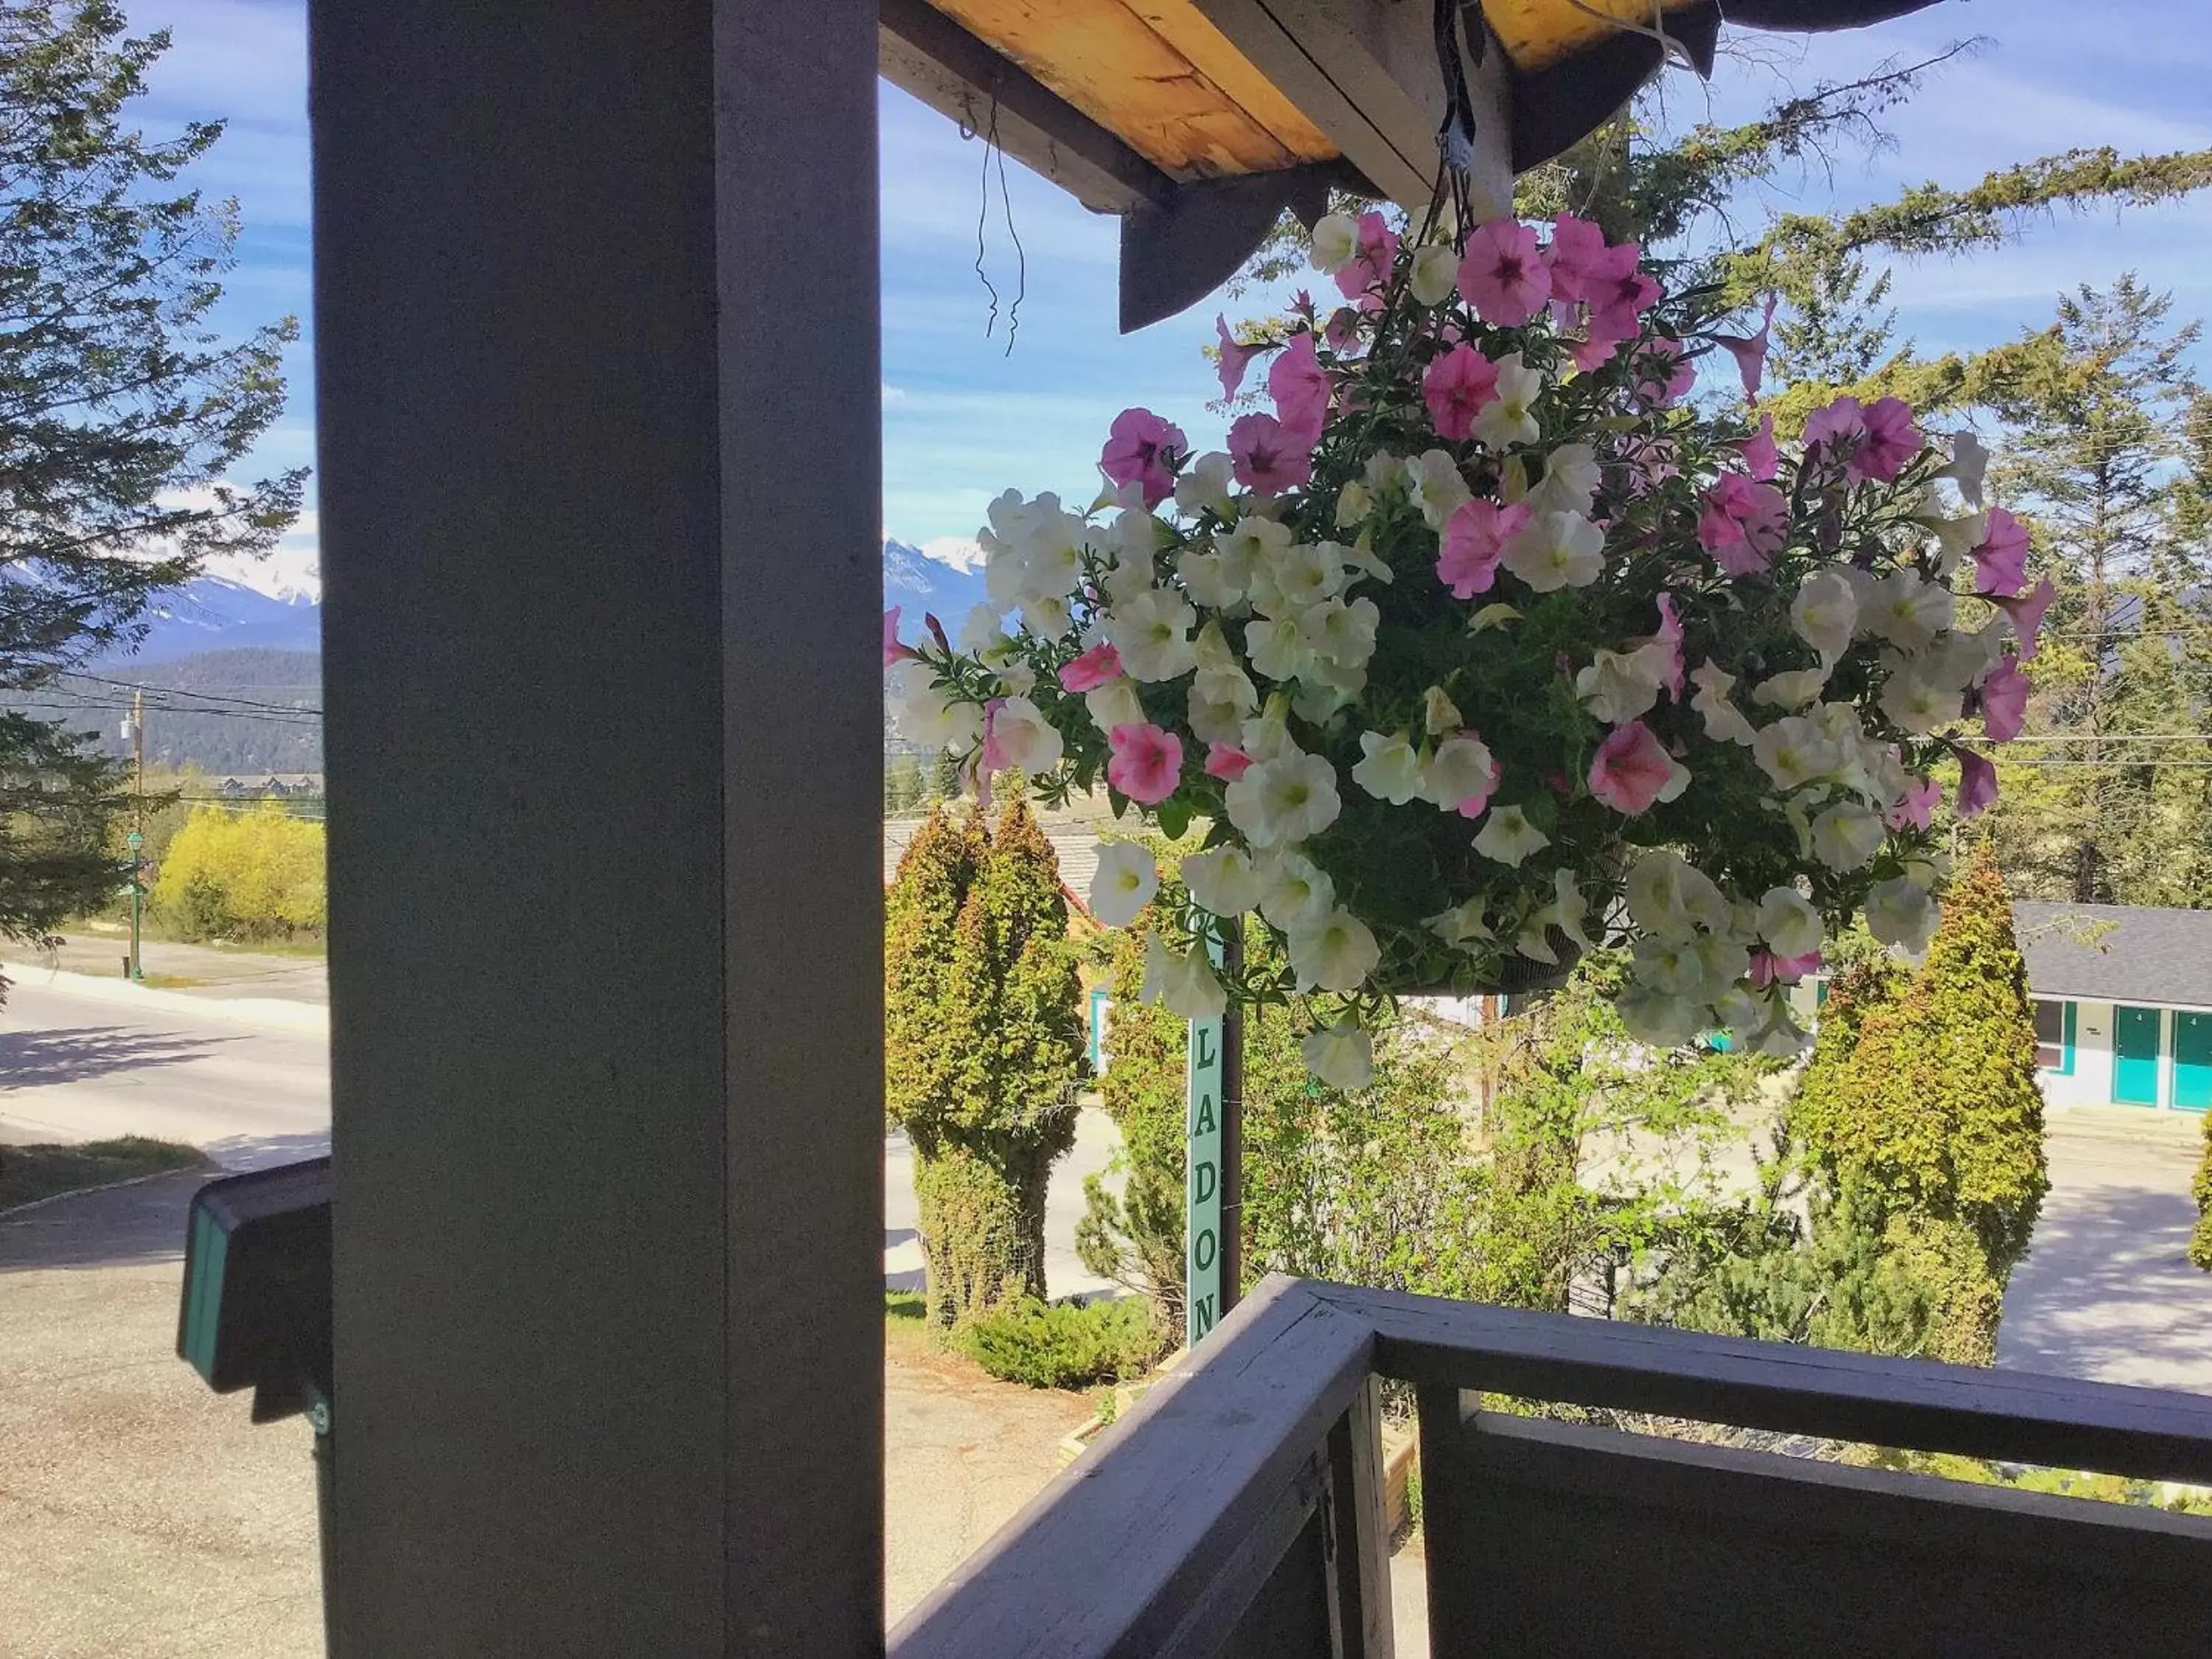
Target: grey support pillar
(599,392)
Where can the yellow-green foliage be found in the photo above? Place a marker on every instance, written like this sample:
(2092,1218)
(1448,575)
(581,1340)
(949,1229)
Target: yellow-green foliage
(254,874)
(2200,1242)
(983,1047)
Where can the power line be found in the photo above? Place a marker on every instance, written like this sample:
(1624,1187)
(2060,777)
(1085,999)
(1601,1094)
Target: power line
(204,696)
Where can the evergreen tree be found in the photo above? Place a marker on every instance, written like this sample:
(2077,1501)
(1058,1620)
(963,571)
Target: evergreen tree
(2098,454)
(121,411)
(2200,1241)
(983,1047)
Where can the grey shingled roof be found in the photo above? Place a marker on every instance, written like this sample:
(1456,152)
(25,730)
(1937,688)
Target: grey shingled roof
(2117,953)
(1076,843)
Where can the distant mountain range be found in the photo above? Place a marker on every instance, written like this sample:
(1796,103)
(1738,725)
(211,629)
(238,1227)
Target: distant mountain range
(213,614)
(233,676)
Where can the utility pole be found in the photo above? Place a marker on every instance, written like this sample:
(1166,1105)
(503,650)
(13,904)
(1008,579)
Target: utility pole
(136,732)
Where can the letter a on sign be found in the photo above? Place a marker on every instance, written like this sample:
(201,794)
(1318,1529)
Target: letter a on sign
(1202,1182)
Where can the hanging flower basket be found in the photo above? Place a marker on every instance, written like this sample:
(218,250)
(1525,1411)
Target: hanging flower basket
(1485,647)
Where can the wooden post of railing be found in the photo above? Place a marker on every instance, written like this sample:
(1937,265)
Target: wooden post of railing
(1359,1531)
(1449,1543)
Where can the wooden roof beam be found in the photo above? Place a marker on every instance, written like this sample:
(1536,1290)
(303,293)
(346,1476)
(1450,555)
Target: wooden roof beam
(924,52)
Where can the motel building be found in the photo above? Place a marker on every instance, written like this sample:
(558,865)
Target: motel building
(2122,1004)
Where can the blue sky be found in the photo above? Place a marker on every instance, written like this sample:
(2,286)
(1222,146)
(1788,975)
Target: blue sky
(963,420)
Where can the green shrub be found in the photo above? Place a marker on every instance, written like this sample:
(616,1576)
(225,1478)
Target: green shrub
(1062,1344)
(2200,1241)
(255,874)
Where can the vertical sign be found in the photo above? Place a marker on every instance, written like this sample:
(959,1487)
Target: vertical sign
(1202,1183)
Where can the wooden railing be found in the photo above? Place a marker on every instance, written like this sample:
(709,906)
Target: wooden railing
(1238,1510)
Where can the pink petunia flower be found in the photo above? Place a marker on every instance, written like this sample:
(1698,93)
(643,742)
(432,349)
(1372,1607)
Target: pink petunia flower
(2027,614)
(1501,274)
(1743,524)
(1299,386)
(1836,428)
(1892,441)
(1369,268)
(1750,352)
(1143,449)
(1342,332)
(1094,668)
(1619,291)
(2004,701)
(1479,803)
(1235,356)
(1663,374)
(1474,541)
(1761,457)
(893,650)
(1767,968)
(1458,386)
(1914,808)
(1226,761)
(1978,784)
(2000,556)
(1146,762)
(1577,250)
(1266,457)
(1591,355)
(1629,769)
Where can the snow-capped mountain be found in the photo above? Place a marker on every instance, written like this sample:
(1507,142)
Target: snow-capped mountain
(210,614)
(919,584)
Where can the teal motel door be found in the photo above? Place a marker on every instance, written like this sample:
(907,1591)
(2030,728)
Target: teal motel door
(2192,1061)
(2134,1056)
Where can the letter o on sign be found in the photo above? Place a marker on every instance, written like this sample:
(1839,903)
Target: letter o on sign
(1204,1250)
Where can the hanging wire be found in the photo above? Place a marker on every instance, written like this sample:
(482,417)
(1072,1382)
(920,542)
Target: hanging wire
(994,154)
(983,219)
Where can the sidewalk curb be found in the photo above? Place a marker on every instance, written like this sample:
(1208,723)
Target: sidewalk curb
(278,1013)
(15,1210)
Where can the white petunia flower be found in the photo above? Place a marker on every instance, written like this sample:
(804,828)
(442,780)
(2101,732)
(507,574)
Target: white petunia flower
(1905,609)
(1277,648)
(1900,913)
(1724,721)
(1215,580)
(1439,714)
(1114,703)
(1124,882)
(980,632)
(1220,701)
(1279,803)
(1508,837)
(1957,539)
(1254,539)
(1295,892)
(1152,634)
(1969,462)
(1791,690)
(1669,898)
(1288,582)
(1181,982)
(1505,420)
(1619,685)
(1353,503)
(1439,490)
(924,715)
(1335,239)
(1435,275)
(1460,924)
(1570,481)
(1024,736)
(1017,679)
(1223,881)
(1047,616)
(1917,705)
(1335,954)
(1341,1055)
(1794,752)
(1825,612)
(1205,485)
(1656,1019)
(1788,923)
(1341,631)
(1459,770)
(1847,835)
(1556,550)
(1779,1035)
(1389,768)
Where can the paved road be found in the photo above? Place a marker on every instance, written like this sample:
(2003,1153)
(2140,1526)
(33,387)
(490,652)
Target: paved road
(2106,1290)
(77,1065)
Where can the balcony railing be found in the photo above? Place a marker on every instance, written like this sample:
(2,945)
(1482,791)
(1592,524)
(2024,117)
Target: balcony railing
(1238,1510)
